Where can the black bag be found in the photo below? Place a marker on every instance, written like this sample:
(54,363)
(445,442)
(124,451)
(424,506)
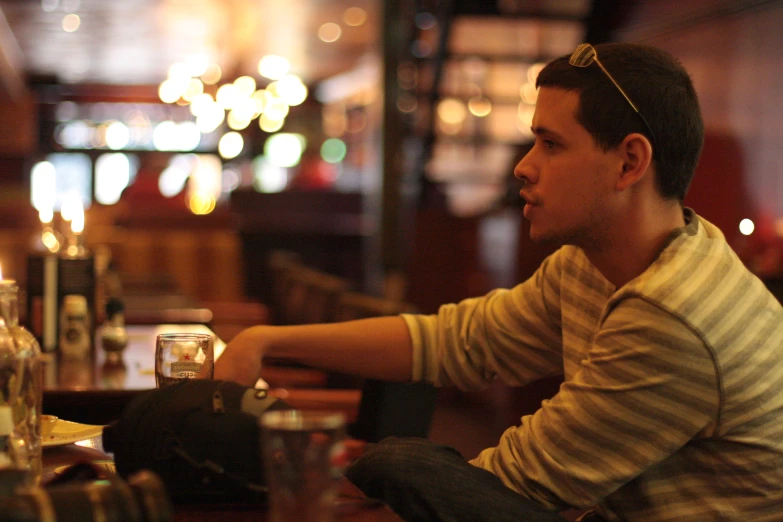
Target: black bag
(200,436)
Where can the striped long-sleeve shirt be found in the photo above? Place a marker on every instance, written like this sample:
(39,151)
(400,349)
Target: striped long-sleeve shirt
(672,405)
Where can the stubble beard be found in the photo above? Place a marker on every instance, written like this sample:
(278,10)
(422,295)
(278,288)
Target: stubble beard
(587,236)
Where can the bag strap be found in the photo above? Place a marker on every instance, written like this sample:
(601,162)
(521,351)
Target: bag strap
(213,468)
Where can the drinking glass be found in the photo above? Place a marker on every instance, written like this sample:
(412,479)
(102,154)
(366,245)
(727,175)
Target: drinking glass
(304,456)
(183,356)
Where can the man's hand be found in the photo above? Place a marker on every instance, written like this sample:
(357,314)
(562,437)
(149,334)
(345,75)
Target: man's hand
(242,359)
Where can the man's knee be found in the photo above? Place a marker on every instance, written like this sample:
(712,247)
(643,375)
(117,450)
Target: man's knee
(406,459)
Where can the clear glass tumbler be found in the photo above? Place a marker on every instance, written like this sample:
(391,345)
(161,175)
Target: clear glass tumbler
(183,356)
(304,456)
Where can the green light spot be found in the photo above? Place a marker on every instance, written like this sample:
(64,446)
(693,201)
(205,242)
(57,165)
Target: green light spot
(333,150)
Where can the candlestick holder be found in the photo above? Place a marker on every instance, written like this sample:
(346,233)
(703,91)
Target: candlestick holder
(42,304)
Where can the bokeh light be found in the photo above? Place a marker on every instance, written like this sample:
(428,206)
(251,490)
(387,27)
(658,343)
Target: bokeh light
(71,23)
(212,74)
(479,106)
(273,66)
(112,176)
(231,145)
(284,149)
(452,111)
(267,177)
(169,91)
(291,90)
(333,150)
(267,124)
(330,32)
(246,86)
(117,135)
(201,204)
(173,178)
(354,16)
(43,178)
(746,227)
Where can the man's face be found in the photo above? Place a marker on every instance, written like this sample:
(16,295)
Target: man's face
(569,179)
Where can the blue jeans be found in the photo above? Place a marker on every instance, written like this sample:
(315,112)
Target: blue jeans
(426,482)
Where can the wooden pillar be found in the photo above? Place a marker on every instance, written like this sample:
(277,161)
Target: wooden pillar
(396,38)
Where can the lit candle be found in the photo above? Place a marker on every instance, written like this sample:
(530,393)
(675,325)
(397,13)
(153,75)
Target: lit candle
(46,215)
(77,221)
(5,281)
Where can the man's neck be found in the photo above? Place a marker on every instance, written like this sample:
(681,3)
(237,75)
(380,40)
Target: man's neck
(637,243)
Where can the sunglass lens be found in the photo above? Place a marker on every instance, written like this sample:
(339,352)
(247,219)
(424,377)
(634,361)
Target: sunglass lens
(582,56)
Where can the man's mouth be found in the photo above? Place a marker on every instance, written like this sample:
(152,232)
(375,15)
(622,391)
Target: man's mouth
(530,203)
(529,199)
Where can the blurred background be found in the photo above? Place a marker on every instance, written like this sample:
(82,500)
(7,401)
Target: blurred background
(374,139)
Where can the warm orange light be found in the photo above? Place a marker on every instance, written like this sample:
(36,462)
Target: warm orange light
(329,32)
(479,106)
(201,204)
(354,16)
(4,280)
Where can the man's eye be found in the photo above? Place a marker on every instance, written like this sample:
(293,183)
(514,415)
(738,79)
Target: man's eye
(549,144)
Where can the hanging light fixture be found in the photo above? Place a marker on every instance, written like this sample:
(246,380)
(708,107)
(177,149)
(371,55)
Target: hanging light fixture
(195,82)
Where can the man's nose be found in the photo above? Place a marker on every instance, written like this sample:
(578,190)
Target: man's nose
(524,169)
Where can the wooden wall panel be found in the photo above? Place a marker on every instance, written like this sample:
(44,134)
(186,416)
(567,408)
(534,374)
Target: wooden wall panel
(18,127)
(732,49)
(207,265)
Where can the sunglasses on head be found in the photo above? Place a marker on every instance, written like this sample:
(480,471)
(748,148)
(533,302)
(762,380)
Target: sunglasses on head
(585,55)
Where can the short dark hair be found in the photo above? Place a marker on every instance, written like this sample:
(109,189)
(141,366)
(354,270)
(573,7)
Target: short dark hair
(661,89)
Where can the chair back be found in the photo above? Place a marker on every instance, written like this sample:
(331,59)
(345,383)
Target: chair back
(357,305)
(310,296)
(231,317)
(279,264)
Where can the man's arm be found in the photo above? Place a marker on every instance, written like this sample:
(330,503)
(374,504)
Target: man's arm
(377,348)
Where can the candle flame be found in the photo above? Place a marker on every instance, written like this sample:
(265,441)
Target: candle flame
(5,282)
(77,221)
(46,215)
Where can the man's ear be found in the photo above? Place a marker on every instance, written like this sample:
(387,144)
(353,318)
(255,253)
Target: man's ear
(636,154)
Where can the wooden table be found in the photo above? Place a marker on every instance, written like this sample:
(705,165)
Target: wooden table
(353,506)
(96,390)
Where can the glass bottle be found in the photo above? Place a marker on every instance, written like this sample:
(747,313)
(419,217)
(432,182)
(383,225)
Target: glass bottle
(21,381)
(7,455)
(74,328)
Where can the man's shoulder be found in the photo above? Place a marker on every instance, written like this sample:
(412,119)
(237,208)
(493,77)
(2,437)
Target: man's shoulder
(688,261)
(696,269)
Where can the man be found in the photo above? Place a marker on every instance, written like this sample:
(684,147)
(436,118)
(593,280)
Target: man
(672,405)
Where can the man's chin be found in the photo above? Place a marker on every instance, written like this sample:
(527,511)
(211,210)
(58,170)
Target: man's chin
(539,237)
(543,238)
